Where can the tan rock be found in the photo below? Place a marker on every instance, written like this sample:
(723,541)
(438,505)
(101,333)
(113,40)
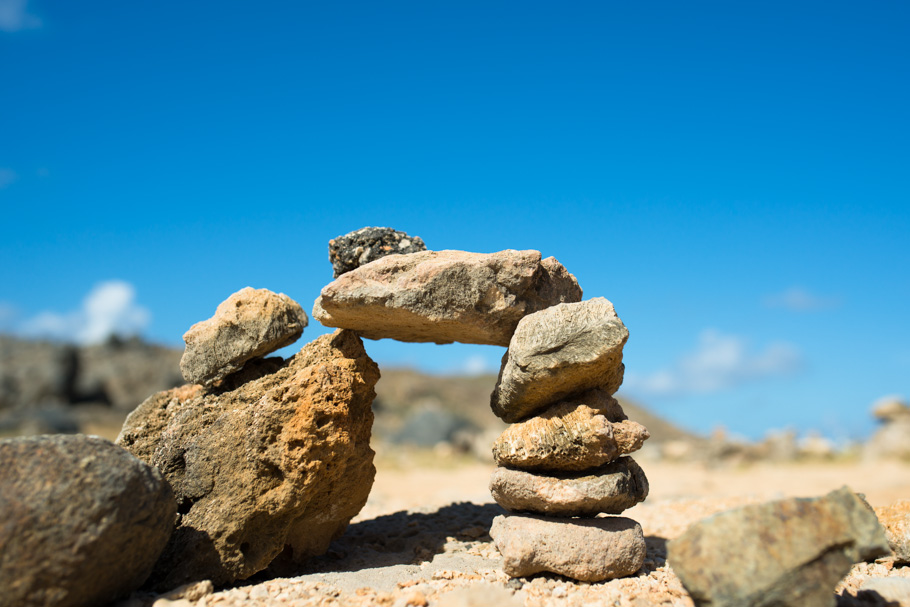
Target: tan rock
(557,352)
(786,552)
(574,435)
(249,324)
(896,521)
(276,460)
(589,550)
(445,296)
(610,489)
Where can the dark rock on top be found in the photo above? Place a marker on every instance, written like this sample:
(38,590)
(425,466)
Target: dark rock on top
(82,521)
(786,552)
(362,246)
(276,460)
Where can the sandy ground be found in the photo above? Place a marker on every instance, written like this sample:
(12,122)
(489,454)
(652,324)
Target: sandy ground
(422,538)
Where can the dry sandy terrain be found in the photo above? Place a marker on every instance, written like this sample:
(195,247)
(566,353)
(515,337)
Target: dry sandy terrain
(422,538)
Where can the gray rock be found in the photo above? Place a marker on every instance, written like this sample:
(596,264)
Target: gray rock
(249,324)
(445,296)
(81,521)
(562,350)
(277,460)
(589,550)
(787,552)
(362,246)
(430,426)
(35,372)
(610,489)
(573,435)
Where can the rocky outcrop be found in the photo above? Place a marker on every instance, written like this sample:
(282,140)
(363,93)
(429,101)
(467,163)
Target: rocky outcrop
(589,550)
(610,489)
(445,296)
(275,460)
(249,324)
(362,246)
(558,352)
(892,439)
(787,552)
(81,521)
(896,521)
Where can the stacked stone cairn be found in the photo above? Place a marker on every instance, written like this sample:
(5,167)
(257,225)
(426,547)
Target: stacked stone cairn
(564,460)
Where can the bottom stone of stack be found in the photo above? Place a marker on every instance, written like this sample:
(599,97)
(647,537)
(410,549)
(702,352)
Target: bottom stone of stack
(588,550)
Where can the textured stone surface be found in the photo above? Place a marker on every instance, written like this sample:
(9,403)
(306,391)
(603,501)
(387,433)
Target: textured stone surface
(557,352)
(894,591)
(362,246)
(81,521)
(249,324)
(589,550)
(610,489)
(445,296)
(896,521)
(787,552)
(277,457)
(574,435)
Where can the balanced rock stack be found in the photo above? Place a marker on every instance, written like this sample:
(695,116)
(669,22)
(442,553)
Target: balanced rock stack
(563,459)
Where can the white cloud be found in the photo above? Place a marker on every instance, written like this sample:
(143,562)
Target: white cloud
(7,176)
(800,300)
(475,365)
(109,309)
(719,362)
(14,16)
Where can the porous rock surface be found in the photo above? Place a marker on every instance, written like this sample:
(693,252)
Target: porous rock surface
(249,324)
(556,352)
(786,552)
(896,521)
(610,489)
(445,296)
(573,435)
(81,521)
(589,550)
(275,461)
(362,246)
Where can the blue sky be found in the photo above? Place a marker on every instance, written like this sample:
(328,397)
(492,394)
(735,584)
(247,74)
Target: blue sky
(733,176)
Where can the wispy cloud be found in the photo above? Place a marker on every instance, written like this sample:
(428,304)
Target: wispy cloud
(7,176)
(476,365)
(800,300)
(110,308)
(14,16)
(718,362)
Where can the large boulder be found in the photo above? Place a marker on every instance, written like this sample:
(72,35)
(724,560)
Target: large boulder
(573,435)
(589,550)
(82,521)
(558,352)
(275,459)
(445,296)
(362,246)
(786,552)
(610,489)
(249,324)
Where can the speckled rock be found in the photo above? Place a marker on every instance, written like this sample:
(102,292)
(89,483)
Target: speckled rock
(362,246)
(81,521)
(589,550)
(896,521)
(554,353)
(277,459)
(574,435)
(249,324)
(445,296)
(787,552)
(610,489)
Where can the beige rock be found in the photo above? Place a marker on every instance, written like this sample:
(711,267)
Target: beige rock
(610,489)
(574,435)
(895,591)
(896,521)
(589,550)
(276,460)
(787,552)
(445,296)
(562,350)
(249,324)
